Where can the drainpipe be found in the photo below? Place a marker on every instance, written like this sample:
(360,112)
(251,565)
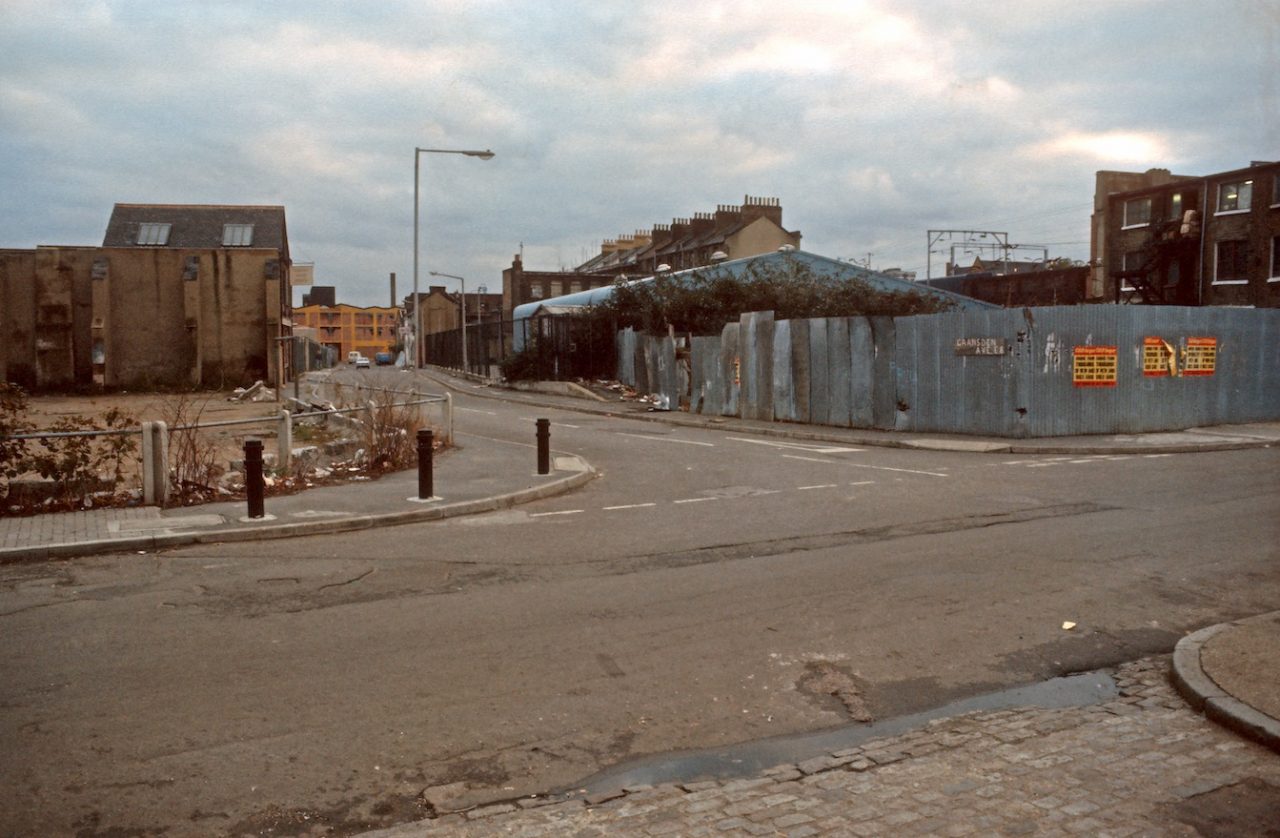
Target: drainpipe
(1204,224)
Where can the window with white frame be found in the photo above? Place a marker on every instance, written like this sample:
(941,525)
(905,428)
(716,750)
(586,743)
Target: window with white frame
(1236,196)
(535,291)
(1175,206)
(1129,261)
(153,233)
(1231,262)
(1137,212)
(237,235)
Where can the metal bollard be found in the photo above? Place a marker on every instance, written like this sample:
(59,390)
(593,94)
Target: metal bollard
(544,446)
(253,485)
(425,477)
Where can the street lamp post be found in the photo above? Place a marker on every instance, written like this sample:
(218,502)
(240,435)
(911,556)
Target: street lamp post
(464,314)
(417,154)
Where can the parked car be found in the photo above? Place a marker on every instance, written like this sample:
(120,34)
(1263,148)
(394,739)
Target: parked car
(383,359)
(353,356)
(362,363)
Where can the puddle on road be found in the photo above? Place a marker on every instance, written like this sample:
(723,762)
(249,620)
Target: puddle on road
(750,758)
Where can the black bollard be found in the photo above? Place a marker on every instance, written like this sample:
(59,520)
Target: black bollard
(425,479)
(544,446)
(253,485)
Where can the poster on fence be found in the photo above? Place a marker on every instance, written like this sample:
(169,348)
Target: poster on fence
(1158,358)
(1200,357)
(1094,366)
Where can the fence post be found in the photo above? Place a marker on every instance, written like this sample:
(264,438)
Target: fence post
(253,483)
(544,445)
(371,415)
(448,417)
(155,463)
(284,439)
(425,476)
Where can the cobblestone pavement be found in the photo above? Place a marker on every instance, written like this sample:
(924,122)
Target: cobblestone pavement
(1141,764)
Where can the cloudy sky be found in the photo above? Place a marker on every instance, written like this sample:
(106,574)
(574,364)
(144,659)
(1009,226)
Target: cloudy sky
(871,121)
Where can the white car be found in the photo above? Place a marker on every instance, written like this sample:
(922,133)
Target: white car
(361,362)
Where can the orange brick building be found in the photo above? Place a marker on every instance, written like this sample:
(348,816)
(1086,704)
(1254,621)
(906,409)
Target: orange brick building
(349,328)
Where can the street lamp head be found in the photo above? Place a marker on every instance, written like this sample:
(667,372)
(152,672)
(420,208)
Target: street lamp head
(483,155)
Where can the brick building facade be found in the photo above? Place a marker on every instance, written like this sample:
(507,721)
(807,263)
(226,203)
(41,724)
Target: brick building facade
(1212,240)
(176,295)
(731,232)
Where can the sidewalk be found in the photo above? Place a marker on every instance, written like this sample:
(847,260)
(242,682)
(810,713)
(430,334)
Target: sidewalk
(467,480)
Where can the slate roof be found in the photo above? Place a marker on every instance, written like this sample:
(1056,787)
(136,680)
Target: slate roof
(197,225)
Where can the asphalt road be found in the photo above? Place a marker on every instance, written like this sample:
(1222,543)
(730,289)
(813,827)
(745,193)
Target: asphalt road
(709,588)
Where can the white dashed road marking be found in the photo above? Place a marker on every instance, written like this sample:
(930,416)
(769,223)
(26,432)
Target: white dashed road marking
(812,448)
(629,506)
(864,465)
(667,439)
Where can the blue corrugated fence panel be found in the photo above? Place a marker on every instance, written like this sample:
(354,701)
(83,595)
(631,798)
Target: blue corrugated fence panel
(801,370)
(862,363)
(783,382)
(839,371)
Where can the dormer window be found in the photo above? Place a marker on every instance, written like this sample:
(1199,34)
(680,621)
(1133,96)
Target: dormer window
(153,234)
(237,235)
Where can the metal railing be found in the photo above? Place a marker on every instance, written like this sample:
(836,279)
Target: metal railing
(155,435)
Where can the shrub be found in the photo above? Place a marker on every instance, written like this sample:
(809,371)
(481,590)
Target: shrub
(702,303)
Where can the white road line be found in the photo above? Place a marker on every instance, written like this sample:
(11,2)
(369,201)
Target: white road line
(862,465)
(821,486)
(667,439)
(864,483)
(815,448)
(629,506)
(548,514)
(693,500)
(474,410)
(1083,461)
(1042,465)
(1153,456)
(553,424)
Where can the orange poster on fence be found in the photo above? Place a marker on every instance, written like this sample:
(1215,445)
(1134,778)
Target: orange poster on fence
(1094,366)
(1157,358)
(1200,357)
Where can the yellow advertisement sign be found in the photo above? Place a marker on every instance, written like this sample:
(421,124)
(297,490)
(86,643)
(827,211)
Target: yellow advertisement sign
(1158,358)
(1200,357)
(1094,366)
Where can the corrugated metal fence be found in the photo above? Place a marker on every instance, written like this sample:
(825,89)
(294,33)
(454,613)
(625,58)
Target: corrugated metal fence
(1049,371)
